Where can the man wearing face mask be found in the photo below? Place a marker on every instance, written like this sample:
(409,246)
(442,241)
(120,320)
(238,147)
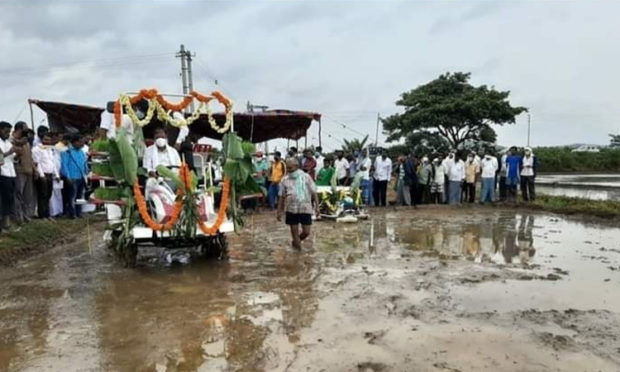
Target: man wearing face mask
(160,153)
(447,163)
(471,171)
(489,169)
(47,171)
(529,163)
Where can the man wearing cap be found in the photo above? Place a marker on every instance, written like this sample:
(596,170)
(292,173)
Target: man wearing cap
(261,169)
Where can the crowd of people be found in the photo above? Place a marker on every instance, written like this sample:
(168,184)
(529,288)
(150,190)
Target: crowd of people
(452,178)
(42,175)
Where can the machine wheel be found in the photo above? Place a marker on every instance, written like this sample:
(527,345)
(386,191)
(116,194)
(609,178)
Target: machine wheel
(131,255)
(215,247)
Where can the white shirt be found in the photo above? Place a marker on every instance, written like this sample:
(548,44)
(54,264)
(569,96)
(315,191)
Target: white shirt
(528,166)
(365,163)
(504,167)
(489,167)
(107,123)
(341,168)
(319,163)
(45,159)
(440,174)
(447,163)
(383,169)
(456,172)
(154,158)
(8,168)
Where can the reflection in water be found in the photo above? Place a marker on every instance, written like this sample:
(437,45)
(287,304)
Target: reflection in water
(498,238)
(209,315)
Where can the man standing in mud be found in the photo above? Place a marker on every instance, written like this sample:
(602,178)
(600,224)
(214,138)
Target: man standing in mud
(297,196)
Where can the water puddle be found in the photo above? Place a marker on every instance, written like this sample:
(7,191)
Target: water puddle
(347,301)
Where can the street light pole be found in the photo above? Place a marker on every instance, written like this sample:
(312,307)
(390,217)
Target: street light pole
(528,129)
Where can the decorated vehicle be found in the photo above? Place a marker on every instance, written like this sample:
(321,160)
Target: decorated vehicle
(175,209)
(178,208)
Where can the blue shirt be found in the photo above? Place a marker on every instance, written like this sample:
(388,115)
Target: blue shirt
(514,163)
(73,164)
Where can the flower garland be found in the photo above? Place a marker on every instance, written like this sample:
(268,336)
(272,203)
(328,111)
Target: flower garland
(221,214)
(157,103)
(186,178)
(227,123)
(179,123)
(126,102)
(141,203)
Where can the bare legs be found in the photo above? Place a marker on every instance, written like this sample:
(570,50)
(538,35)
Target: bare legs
(297,237)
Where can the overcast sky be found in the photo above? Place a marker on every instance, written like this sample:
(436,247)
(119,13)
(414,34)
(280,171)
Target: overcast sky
(348,60)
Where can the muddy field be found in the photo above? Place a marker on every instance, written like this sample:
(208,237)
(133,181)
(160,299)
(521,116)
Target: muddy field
(433,290)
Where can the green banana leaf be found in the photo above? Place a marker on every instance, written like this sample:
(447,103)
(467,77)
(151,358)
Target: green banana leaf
(250,186)
(130,159)
(169,174)
(248,148)
(237,170)
(116,162)
(231,144)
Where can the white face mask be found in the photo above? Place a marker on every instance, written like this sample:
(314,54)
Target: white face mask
(161,142)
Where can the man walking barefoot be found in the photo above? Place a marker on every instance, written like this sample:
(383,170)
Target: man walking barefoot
(297,194)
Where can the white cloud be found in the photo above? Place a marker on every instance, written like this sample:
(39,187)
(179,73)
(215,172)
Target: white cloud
(348,60)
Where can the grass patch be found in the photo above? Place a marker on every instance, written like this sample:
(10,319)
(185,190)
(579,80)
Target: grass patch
(39,234)
(566,205)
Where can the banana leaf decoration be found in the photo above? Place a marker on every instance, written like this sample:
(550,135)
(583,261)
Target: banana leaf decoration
(130,159)
(116,162)
(171,175)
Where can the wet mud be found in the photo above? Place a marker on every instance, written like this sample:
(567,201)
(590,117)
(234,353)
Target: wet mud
(426,290)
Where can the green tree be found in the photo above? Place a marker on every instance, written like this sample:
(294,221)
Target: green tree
(354,145)
(452,108)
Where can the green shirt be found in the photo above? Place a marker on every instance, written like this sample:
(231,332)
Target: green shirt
(261,167)
(325,176)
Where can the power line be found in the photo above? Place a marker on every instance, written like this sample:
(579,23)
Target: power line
(29,69)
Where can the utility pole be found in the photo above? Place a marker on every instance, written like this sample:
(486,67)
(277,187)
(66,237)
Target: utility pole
(190,78)
(528,129)
(377,130)
(186,71)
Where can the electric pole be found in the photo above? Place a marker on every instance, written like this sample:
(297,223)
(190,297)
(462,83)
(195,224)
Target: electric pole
(377,130)
(528,129)
(186,71)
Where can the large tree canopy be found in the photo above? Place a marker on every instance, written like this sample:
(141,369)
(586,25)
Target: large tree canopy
(454,109)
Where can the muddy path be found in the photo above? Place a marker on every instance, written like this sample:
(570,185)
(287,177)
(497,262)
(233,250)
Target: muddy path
(437,290)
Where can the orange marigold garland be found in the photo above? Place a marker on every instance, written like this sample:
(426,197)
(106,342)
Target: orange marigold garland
(221,214)
(141,203)
(185,175)
(200,97)
(143,94)
(174,106)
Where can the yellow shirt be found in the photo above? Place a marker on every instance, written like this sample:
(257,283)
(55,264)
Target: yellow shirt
(471,169)
(278,170)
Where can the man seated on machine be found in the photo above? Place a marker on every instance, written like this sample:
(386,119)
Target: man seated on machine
(160,153)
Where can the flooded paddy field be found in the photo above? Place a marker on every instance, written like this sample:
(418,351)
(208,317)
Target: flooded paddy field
(578,185)
(433,289)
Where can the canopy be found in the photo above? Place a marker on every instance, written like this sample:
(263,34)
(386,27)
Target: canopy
(70,118)
(251,126)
